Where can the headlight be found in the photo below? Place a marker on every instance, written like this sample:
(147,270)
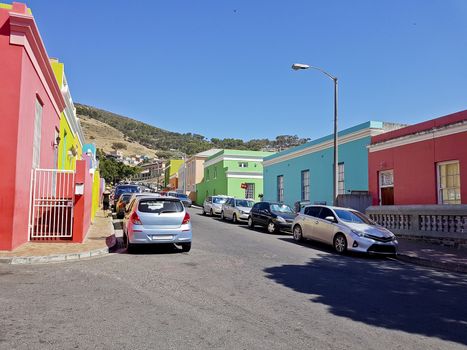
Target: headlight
(358,233)
(280,219)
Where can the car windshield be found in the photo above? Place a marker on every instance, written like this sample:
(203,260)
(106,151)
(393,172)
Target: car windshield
(125,198)
(127,189)
(245,203)
(160,206)
(219,200)
(353,216)
(281,208)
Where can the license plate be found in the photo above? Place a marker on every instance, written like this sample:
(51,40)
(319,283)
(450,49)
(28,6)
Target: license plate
(161,237)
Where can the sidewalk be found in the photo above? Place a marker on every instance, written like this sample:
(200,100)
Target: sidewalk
(99,241)
(433,255)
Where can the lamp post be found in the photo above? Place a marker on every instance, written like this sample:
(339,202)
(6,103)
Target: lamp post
(299,66)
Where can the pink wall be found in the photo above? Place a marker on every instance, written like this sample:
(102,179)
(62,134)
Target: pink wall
(83,203)
(414,165)
(20,84)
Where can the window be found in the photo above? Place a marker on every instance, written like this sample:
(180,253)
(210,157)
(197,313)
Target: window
(305,185)
(215,172)
(312,211)
(280,188)
(250,190)
(243,164)
(325,212)
(449,188)
(36,148)
(160,206)
(340,179)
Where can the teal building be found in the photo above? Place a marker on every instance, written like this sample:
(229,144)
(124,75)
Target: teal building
(305,173)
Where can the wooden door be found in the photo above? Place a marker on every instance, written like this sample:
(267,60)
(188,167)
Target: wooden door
(387,196)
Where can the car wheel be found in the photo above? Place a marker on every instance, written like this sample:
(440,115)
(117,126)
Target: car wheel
(222,215)
(234,218)
(204,211)
(251,224)
(297,233)
(271,227)
(211,213)
(129,246)
(186,247)
(340,243)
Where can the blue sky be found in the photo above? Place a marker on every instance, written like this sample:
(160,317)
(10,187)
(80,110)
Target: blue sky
(221,68)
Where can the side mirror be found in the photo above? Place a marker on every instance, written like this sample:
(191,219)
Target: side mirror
(330,219)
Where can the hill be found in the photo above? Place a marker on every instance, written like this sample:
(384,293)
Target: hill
(135,134)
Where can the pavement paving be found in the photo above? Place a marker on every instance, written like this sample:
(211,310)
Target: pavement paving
(433,255)
(236,289)
(99,241)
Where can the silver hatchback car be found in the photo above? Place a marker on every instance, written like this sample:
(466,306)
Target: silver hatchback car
(344,229)
(150,220)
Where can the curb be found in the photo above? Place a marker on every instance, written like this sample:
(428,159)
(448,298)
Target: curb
(32,260)
(452,267)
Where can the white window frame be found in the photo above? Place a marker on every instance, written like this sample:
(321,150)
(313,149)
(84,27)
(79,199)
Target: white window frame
(340,179)
(305,185)
(438,181)
(250,189)
(280,188)
(37,137)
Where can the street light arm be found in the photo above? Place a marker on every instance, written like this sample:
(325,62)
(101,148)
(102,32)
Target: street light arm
(324,72)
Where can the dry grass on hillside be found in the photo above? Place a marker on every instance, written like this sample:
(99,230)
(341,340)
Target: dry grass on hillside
(103,135)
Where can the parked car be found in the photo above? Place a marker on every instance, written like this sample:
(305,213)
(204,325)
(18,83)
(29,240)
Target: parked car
(120,189)
(237,209)
(156,220)
(121,205)
(213,204)
(183,197)
(274,216)
(344,229)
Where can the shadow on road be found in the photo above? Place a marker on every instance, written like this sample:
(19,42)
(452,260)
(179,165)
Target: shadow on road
(383,293)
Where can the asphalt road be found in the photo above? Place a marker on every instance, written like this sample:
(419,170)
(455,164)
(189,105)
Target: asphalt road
(236,289)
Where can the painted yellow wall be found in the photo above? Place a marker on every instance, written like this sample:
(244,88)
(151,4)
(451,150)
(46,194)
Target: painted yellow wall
(68,140)
(95,194)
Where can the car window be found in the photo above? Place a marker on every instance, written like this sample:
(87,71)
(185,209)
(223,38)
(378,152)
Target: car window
(244,203)
(257,206)
(281,208)
(219,200)
(325,212)
(125,198)
(209,199)
(353,216)
(312,211)
(159,206)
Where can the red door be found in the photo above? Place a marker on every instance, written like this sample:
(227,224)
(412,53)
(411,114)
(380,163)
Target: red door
(387,196)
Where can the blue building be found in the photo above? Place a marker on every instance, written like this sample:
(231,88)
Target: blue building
(305,173)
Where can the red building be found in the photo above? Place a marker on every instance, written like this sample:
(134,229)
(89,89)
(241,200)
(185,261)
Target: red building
(30,106)
(424,163)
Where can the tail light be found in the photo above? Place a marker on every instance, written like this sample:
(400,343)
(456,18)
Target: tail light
(186,219)
(134,218)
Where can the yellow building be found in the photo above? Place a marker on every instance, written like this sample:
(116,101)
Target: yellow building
(70,147)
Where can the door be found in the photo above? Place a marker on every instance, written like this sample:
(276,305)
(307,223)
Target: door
(263,215)
(228,208)
(387,196)
(309,221)
(324,229)
(386,187)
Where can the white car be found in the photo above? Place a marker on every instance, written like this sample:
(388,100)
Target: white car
(213,204)
(236,209)
(344,229)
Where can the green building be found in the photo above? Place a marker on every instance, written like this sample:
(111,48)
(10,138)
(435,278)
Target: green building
(232,173)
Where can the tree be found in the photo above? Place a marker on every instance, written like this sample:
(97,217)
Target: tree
(118,145)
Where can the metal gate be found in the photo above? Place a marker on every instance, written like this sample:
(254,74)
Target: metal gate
(51,204)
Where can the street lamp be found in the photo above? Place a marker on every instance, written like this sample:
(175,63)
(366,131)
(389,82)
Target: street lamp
(300,66)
